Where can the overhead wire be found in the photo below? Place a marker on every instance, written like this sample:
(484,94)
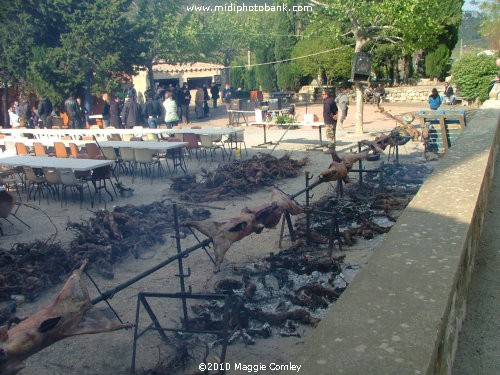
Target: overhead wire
(284,60)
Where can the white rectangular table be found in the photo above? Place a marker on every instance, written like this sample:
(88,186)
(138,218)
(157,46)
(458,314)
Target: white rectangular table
(319,125)
(77,165)
(234,116)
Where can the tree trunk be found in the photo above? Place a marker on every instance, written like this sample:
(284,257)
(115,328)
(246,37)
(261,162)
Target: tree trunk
(395,72)
(5,106)
(360,42)
(407,68)
(88,93)
(359,107)
(151,78)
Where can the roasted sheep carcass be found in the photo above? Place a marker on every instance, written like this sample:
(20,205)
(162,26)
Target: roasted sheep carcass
(70,314)
(251,220)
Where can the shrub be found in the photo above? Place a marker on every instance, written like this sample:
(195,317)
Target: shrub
(473,74)
(436,62)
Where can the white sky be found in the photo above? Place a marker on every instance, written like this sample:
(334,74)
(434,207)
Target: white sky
(469,4)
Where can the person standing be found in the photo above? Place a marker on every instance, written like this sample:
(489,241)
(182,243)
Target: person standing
(434,99)
(206,98)
(106,107)
(114,113)
(13,117)
(342,102)
(160,91)
(214,91)
(171,115)
(330,114)
(71,109)
(178,100)
(185,99)
(379,94)
(131,113)
(158,110)
(199,99)
(227,94)
(24,112)
(44,110)
(82,114)
(149,113)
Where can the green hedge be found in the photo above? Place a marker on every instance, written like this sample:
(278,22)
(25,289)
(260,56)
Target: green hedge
(473,74)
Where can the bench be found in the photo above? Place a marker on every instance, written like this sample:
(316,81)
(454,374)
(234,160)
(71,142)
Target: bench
(444,127)
(461,100)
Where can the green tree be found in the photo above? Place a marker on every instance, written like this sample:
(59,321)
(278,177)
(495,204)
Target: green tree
(171,34)
(97,42)
(412,24)
(265,75)
(103,40)
(285,37)
(385,61)
(225,35)
(437,62)
(473,74)
(17,35)
(323,35)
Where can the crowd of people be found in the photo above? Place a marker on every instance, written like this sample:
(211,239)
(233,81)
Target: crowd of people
(168,105)
(162,106)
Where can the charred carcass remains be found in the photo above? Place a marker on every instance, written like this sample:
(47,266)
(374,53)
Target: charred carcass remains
(70,314)
(251,220)
(340,166)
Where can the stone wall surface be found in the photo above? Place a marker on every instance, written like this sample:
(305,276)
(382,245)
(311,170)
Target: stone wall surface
(411,94)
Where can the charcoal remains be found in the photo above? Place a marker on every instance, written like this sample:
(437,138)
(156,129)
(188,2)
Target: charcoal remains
(104,239)
(237,178)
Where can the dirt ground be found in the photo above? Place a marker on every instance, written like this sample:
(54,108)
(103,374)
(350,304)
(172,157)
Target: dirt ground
(111,353)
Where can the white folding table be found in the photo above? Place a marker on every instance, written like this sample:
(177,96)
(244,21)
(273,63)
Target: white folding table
(319,125)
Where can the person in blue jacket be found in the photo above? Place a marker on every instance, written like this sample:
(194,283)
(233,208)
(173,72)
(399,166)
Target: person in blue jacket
(434,99)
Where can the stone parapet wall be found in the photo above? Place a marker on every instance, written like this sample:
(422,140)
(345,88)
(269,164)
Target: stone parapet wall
(404,310)
(410,94)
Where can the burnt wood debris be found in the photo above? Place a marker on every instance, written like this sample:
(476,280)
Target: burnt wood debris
(237,178)
(104,239)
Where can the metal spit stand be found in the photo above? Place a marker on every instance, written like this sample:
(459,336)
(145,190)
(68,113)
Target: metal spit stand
(334,226)
(334,230)
(183,295)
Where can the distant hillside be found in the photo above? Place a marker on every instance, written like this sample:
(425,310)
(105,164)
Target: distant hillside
(468,31)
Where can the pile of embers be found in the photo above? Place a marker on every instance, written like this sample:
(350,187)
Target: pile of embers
(104,239)
(272,297)
(237,178)
(368,209)
(293,287)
